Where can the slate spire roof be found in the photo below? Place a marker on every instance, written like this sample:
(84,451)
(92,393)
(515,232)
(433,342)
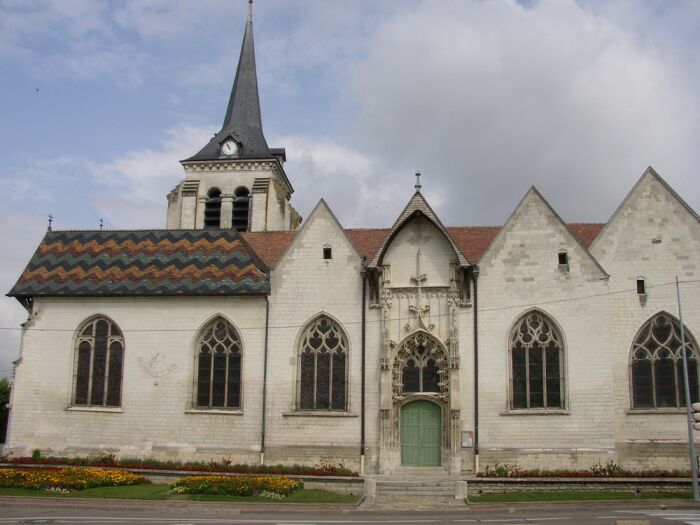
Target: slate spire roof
(242,121)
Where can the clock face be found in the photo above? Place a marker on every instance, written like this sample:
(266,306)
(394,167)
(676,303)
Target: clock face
(229,148)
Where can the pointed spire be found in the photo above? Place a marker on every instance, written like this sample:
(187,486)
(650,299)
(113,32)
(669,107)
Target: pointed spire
(242,121)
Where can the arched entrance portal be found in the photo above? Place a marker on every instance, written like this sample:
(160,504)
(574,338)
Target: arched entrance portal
(421,440)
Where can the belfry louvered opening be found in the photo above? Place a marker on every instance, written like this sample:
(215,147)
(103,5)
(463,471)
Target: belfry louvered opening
(212,209)
(241,209)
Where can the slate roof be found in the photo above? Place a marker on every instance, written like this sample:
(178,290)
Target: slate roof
(242,121)
(148,262)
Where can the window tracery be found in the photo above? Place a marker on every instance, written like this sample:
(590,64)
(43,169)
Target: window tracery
(99,363)
(537,376)
(420,366)
(656,364)
(323,351)
(218,366)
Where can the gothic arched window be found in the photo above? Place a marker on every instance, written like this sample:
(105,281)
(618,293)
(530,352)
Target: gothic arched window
(656,364)
(212,209)
(218,366)
(537,367)
(99,358)
(241,205)
(420,365)
(323,357)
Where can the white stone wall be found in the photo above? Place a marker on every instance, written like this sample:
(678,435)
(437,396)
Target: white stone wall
(155,419)
(270,212)
(520,272)
(592,301)
(304,286)
(652,235)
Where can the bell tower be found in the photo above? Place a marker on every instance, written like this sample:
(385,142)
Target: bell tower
(236,181)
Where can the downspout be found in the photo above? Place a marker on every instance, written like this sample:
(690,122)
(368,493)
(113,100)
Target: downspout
(264,388)
(363,272)
(475,277)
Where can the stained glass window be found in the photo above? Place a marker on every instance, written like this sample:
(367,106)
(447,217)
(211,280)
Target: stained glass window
(656,364)
(218,366)
(323,366)
(99,362)
(536,354)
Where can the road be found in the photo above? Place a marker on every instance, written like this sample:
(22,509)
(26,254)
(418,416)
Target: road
(28,512)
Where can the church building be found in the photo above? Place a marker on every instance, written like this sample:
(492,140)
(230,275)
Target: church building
(240,331)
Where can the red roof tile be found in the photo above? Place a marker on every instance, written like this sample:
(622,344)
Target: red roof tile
(269,246)
(473,241)
(585,232)
(367,240)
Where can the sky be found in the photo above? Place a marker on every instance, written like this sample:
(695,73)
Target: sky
(99,100)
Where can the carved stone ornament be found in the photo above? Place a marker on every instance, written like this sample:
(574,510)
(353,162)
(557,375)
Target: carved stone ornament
(425,352)
(156,365)
(384,413)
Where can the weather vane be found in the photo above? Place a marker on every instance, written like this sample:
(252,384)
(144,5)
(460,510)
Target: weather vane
(50,221)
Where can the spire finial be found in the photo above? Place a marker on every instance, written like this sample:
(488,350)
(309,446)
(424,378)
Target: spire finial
(250,10)
(101,224)
(418,185)
(50,221)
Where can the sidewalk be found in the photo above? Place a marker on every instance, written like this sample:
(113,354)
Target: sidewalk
(413,505)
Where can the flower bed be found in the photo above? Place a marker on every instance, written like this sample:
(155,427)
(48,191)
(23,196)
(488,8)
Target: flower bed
(73,478)
(236,485)
(610,470)
(224,465)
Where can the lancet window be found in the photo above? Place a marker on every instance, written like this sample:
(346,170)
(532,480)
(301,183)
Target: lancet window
(656,364)
(537,368)
(218,366)
(241,208)
(323,358)
(99,361)
(212,209)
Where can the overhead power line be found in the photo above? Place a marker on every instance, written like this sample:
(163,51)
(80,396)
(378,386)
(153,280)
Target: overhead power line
(395,319)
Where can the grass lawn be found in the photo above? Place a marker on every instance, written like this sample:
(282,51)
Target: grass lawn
(514,497)
(160,492)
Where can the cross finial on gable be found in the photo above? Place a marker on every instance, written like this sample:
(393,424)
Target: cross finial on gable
(418,185)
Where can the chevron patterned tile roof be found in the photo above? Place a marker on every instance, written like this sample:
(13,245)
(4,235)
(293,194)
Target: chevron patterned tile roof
(148,262)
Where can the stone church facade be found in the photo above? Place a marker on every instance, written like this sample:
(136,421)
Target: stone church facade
(240,331)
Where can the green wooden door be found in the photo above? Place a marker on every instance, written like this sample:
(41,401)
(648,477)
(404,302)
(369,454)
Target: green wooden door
(421,435)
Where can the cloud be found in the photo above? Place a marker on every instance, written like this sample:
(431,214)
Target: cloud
(487,98)
(129,191)
(360,190)
(20,234)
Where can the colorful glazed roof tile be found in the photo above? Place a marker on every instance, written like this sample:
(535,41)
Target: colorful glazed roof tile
(148,262)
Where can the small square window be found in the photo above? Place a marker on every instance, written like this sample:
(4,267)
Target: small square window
(327,253)
(563,258)
(641,287)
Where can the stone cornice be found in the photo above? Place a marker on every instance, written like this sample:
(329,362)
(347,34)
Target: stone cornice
(232,165)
